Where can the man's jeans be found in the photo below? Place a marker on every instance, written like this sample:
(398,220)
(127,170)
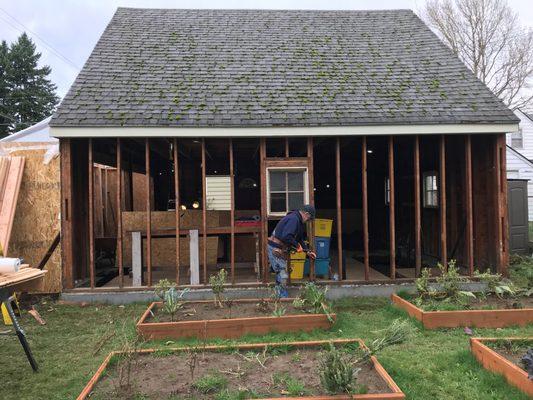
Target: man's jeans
(279,266)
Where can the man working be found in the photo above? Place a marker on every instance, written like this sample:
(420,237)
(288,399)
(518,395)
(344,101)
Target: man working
(288,234)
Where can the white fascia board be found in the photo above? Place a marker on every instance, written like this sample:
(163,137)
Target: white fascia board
(438,129)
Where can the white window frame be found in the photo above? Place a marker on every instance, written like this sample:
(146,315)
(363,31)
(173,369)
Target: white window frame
(424,189)
(387,191)
(520,137)
(285,169)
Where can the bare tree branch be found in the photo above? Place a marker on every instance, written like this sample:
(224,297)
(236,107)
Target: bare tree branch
(486,36)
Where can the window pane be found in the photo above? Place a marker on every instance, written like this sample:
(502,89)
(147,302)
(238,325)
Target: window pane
(434,182)
(277,181)
(434,199)
(296,180)
(278,202)
(296,200)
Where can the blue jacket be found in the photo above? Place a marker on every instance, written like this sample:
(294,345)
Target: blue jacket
(291,230)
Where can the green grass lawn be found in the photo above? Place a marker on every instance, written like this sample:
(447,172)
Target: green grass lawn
(435,365)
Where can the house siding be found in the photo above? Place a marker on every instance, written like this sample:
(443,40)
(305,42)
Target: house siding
(518,168)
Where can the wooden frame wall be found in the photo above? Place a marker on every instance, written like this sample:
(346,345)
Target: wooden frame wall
(500,223)
(177,206)
(442,201)
(392,222)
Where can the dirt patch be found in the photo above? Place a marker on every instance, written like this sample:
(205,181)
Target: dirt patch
(293,372)
(207,311)
(495,302)
(512,350)
(491,302)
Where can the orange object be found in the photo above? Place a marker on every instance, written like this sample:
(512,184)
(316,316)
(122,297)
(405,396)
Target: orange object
(394,393)
(494,362)
(230,328)
(462,318)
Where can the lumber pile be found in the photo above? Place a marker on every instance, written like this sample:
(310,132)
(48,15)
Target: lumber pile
(11,169)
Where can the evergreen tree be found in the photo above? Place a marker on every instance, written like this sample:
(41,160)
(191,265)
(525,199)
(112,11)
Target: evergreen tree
(31,95)
(4,119)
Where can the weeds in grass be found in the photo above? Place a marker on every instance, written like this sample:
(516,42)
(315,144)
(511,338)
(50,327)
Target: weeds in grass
(210,383)
(217,282)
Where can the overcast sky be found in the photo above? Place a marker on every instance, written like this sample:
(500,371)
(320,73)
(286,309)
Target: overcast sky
(65,31)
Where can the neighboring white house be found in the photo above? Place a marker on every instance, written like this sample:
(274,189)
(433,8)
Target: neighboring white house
(520,155)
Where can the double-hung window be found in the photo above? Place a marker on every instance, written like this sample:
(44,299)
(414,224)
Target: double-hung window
(287,190)
(431,191)
(517,139)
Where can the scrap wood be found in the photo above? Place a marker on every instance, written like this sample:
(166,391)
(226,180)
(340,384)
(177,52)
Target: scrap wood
(35,314)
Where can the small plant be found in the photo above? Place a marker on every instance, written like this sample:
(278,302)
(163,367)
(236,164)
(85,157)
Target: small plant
(217,282)
(210,383)
(128,359)
(162,287)
(450,280)
(338,373)
(495,284)
(229,304)
(279,311)
(314,298)
(292,386)
(527,362)
(192,361)
(422,284)
(263,306)
(172,302)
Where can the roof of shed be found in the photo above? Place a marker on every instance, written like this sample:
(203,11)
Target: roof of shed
(263,68)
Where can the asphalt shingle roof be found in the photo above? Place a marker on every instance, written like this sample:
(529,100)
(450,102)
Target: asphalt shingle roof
(188,68)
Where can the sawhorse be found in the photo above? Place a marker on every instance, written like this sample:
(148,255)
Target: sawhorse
(6,298)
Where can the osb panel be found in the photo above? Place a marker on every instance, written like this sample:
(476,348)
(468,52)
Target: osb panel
(36,220)
(164,249)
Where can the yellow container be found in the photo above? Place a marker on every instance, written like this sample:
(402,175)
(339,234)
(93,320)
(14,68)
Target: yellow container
(323,227)
(298,256)
(297,269)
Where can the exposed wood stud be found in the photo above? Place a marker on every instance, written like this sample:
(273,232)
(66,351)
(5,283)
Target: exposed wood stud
(119,214)
(204,215)
(91,213)
(264,221)
(364,194)
(67,255)
(311,183)
(392,225)
(469,206)
(442,197)
(148,212)
(501,204)
(232,211)
(339,205)
(287,148)
(177,207)
(418,212)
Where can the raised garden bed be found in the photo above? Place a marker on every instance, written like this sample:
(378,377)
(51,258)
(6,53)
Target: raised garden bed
(278,370)
(493,318)
(496,356)
(202,320)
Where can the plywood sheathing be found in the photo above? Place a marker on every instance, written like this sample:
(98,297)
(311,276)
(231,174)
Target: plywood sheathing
(164,249)
(36,220)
